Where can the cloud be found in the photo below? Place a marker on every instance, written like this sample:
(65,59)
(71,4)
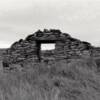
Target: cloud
(80,18)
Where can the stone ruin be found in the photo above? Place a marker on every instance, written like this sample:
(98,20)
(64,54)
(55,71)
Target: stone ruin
(29,49)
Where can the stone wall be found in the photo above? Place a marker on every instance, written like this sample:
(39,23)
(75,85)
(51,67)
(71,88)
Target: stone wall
(27,50)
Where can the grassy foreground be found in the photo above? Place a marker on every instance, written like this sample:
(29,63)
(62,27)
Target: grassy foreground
(77,80)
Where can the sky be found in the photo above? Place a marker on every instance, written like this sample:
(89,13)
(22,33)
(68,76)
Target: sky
(79,18)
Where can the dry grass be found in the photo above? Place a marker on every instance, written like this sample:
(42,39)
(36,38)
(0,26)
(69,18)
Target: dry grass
(76,80)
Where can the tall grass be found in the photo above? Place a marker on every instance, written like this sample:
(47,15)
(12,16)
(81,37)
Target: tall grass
(76,80)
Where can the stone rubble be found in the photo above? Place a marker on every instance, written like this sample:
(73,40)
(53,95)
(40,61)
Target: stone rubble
(66,47)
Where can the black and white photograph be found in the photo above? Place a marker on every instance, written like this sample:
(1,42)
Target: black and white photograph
(49,49)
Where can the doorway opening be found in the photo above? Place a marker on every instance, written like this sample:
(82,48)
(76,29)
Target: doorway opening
(45,49)
(46,46)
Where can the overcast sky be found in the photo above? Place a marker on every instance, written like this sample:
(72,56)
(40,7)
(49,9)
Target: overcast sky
(79,18)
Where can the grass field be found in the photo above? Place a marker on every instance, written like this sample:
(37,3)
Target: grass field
(77,80)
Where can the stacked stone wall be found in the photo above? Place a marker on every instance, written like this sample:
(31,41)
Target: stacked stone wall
(66,47)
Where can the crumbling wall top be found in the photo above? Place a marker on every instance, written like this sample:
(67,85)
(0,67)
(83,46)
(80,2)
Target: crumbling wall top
(26,49)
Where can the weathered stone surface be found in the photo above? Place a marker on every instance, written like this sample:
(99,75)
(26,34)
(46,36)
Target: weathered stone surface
(66,47)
